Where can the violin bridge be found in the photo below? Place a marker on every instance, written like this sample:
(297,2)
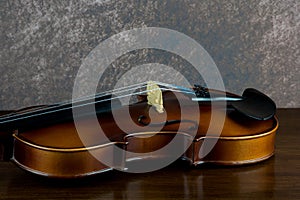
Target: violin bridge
(154,96)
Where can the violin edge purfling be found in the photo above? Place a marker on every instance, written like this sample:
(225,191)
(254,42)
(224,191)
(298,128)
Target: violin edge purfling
(245,138)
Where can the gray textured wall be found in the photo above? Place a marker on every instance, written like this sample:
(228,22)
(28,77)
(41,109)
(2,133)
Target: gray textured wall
(43,42)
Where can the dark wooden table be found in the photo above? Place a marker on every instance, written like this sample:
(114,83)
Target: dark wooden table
(276,178)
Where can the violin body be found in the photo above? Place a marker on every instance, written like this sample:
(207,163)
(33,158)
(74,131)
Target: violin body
(57,150)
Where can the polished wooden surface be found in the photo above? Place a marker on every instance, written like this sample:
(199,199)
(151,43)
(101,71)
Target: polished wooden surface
(275,178)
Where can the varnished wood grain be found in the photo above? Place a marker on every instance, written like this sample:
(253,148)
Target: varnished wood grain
(275,178)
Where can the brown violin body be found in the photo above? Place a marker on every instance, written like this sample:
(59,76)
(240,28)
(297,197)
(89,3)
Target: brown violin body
(57,150)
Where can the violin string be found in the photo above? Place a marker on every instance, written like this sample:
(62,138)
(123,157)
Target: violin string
(106,93)
(85,98)
(89,103)
(126,88)
(99,95)
(121,89)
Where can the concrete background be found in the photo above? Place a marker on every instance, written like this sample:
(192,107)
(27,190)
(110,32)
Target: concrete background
(43,43)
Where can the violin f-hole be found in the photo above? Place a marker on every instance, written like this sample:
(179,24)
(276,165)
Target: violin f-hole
(166,123)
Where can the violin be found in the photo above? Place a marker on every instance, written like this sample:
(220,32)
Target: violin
(159,123)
